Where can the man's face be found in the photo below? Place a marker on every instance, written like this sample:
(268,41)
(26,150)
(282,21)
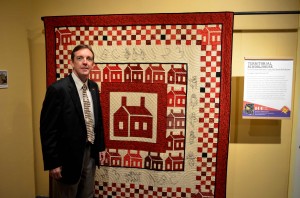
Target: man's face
(83,63)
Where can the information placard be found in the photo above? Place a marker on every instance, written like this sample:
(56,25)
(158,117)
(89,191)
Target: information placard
(267,88)
(3,79)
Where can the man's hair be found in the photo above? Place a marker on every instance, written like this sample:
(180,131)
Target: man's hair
(79,47)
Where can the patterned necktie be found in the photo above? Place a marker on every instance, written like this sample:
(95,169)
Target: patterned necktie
(88,115)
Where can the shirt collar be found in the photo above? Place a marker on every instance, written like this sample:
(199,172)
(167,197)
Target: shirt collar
(78,82)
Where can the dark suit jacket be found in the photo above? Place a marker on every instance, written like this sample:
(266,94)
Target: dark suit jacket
(63,130)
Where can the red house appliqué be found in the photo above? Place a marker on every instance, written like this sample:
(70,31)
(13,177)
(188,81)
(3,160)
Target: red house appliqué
(112,73)
(177,75)
(95,74)
(176,120)
(155,74)
(211,35)
(133,121)
(176,98)
(134,73)
(133,160)
(174,162)
(203,195)
(175,142)
(113,158)
(154,162)
(63,37)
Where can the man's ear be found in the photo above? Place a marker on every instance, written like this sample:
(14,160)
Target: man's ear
(72,63)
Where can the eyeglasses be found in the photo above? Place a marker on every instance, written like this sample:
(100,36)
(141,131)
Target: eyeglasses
(81,58)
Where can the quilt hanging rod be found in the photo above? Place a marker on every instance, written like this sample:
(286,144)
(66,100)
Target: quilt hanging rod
(266,12)
(254,13)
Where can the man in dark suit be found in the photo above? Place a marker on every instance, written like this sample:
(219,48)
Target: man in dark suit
(72,145)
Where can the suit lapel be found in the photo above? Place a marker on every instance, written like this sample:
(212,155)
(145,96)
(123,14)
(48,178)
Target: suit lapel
(75,97)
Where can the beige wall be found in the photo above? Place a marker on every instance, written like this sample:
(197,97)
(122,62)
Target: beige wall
(254,169)
(294,168)
(259,159)
(16,132)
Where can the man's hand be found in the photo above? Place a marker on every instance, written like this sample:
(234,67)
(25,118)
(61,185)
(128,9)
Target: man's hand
(56,173)
(102,157)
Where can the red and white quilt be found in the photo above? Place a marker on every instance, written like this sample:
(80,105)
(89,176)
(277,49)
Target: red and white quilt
(164,84)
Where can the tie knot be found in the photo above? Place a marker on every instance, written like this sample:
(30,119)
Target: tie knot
(84,87)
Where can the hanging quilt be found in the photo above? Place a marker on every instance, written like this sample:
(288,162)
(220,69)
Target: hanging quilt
(164,84)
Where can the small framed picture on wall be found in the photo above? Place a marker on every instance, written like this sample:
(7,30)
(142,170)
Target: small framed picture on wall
(3,79)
